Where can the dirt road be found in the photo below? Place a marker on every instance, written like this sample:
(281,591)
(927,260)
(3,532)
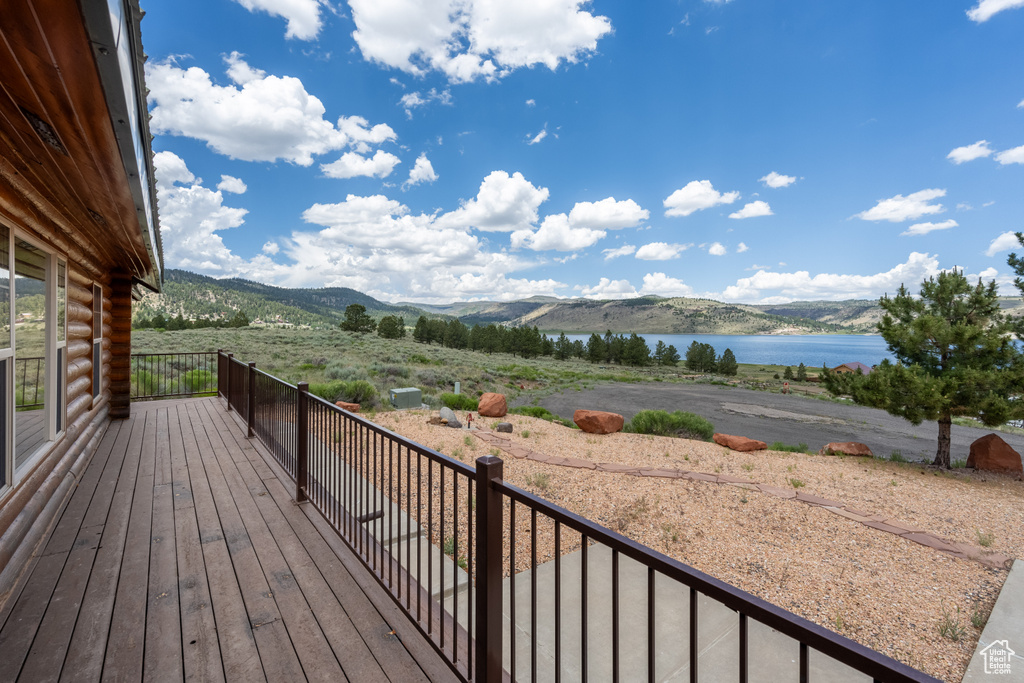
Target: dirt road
(775,417)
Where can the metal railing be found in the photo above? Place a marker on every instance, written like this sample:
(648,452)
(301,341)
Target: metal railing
(173,375)
(506,585)
(28,376)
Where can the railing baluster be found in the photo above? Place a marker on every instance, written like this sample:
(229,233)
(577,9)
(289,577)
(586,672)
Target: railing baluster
(489,570)
(302,443)
(743,648)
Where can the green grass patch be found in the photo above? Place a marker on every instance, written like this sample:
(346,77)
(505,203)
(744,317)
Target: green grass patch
(663,423)
(459,401)
(779,446)
(354,391)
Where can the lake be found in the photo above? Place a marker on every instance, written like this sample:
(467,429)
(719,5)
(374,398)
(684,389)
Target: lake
(810,349)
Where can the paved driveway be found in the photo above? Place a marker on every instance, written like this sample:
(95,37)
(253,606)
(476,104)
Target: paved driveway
(774,417)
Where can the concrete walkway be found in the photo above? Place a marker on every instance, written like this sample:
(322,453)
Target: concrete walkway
(1000,652)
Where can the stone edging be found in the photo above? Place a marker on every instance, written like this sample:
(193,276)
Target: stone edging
(890,525)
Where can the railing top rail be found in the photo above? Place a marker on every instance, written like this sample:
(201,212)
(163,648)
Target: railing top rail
(460,467)
(279,381)
(176,353)
(793,625)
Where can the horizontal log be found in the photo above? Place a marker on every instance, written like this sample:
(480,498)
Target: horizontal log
(79,330)
(78,348)
(80,387)
(79,312)
(81,367)
(79,293)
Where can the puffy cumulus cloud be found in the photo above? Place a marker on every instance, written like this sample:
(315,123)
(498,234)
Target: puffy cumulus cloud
(303,16)
(259,118)
(717,249)
(662,285)
(171,169)
(556,233)
(422,171)
(271,248)
(741,248)
(351,165)
(416,99)
(607,289)
(696,195)
(925,228)
(979,150)
(232,184)
(802,286)
(624,250)
(504,203)
(752,210)
(900,208)
(471,39)
(661,251)
(777,180)
(1004,242)
(1011,156)
(984,10)
(608,214)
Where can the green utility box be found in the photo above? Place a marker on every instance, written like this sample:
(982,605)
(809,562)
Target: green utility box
(410,397)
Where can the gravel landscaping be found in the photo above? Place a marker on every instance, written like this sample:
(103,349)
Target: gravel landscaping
(913,603)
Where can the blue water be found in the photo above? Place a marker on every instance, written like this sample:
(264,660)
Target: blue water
(810,349)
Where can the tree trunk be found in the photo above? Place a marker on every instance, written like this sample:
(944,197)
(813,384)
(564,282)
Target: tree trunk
(942,454)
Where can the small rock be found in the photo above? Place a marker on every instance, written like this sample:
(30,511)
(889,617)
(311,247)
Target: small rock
(846,448)
(991,453)
(598,422)
(350,407)
(447,413)
(492,405)
(505,427)
(739,443)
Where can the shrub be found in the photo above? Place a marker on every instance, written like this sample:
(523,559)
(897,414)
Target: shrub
(336,369)
(355,391)
(543,414)
(779,446)
(662,423)
(459,401)
(199,380)
(389,371)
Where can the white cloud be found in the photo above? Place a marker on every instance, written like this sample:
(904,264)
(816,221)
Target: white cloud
(351,165)
(171,169)
(608,289)
(979,150)
(422,171)
(504,204)
(900,208)
(303,16)
(1005,242)
(231,184)
(661,251)
(984,10)
(556,233)
(753,210)
(696,195)
(531,103)
(925,228)
(260,118)
(1011,156)
(1020,105)
(624,250)
(777,180)
(741,248)
(271,248)
(608,214)
(471,39)
(539,136)
(417,99)
(801,285)
(717,249)
(663,285)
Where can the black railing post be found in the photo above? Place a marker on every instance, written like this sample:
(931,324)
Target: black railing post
(230,362)
(251,418)
(221,387)
(489,547)
(302,443)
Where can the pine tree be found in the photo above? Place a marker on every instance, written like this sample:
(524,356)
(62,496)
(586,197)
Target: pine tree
(421,333)
(597,350)
(788,374)
(391,327)
(954,357)
(727,364)
(801,373)
(671,356)
(357,319)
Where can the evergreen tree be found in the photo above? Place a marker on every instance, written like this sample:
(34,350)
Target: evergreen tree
(240,319)
(700,357)
(659,352)
(635,351)
(578,349)
(597,350)
(547,346)
(357,319)
(563,347)
(727,364)
(801,373)
(671,356)
(391,327)
(954,357)
(421,333)
(788,374)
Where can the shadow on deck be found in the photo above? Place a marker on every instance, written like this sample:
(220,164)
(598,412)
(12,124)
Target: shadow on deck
(181,554)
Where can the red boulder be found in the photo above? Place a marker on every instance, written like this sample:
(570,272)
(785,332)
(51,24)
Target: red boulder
(739,443)
(350,407)
(492,405)
(846,448)
(991,453)
(598,422)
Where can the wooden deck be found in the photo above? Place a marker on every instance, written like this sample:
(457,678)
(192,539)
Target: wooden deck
(181,555)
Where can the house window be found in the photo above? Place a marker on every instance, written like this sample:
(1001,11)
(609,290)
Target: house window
(97,339)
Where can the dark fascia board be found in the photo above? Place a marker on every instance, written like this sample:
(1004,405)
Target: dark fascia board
(116,38)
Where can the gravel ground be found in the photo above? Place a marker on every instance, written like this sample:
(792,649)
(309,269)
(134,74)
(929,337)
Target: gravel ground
(886,592)
(775,417)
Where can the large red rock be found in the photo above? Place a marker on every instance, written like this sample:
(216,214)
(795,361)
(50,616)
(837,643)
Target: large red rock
(598,422)
(350,407)
(846,448)
(739,443)
(991,453)
(492,405)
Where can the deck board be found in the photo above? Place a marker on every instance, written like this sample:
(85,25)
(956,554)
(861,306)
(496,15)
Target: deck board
(180,555)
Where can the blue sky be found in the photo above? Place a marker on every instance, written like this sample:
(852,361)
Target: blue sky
(441,150)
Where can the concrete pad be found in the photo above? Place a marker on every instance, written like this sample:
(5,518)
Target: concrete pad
(1004,631)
